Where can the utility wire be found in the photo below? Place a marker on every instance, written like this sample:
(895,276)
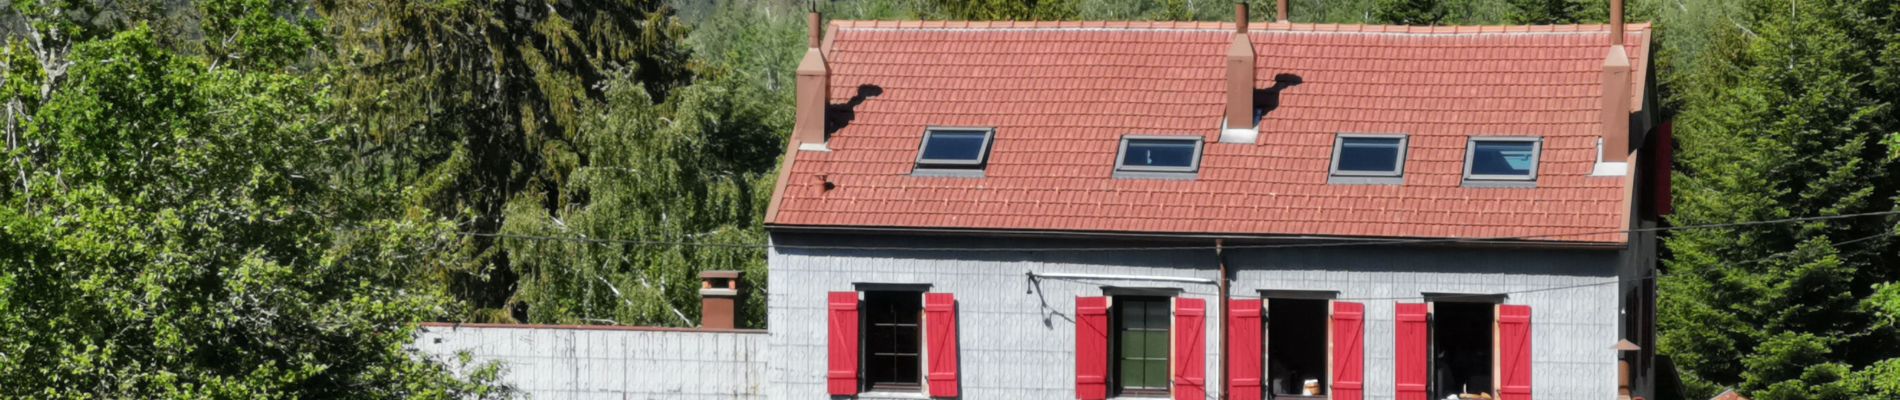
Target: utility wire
(1537,290)
(1369,242)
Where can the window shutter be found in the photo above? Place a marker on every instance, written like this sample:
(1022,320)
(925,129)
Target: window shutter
(1190,349)
(1514,352)
(1091,348)
(1349,353)
(1662,153)
(842,375)
(1243,347)
(1411,361)
(940,317)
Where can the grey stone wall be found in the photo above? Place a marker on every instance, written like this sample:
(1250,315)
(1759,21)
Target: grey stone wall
(1017,334)
(562,363)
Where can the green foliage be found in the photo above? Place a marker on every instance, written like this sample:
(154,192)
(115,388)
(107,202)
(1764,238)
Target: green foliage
(691,169)
(170,237)
(1006,10)
(462,107)
(1544,12)
(1781,116)
(1411,12)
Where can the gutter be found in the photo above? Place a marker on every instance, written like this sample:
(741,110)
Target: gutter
(1243,239)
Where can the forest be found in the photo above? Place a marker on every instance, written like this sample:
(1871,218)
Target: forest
(264,198)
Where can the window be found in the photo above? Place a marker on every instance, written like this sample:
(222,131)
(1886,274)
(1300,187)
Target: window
(1141,345)
(892,340)
(1368,158)
(1461,349)
(1296,347)
(1501,159)
(1158,157)
(948,151)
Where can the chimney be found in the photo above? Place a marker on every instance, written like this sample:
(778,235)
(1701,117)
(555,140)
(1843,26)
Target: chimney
(1279,10)
(814,88)
(1240,74)
(1616,96)
(719,299)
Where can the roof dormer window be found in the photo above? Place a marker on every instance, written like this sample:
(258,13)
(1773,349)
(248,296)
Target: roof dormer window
(1368,159)
(1167,157)
(954,151)
(1502,161)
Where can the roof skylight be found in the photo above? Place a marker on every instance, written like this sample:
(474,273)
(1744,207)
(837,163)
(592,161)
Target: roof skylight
(1507,159)
(1158,156)
(965,149)
(1361,158)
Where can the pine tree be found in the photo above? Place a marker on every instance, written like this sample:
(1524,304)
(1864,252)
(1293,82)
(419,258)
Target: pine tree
(1787,124)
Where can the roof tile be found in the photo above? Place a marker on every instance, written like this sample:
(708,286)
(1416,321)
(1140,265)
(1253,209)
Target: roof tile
(1061,94)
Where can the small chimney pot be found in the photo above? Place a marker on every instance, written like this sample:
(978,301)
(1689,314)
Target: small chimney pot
(719,298)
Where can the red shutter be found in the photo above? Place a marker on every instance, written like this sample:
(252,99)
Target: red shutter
(940,316)
(1091,348)
(842,376)
(1411,362)
(1243,348)
(1514,352)
(1662,161)
(1190,349)
(1349,351)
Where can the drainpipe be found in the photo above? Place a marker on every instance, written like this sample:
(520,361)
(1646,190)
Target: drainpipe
(1226,386)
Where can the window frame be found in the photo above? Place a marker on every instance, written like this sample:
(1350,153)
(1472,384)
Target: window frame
(1396,176)
(1432,329)
(867,383)
(1471,151)
(1123,170)
(1325,300)
(1117,307)
(953,167)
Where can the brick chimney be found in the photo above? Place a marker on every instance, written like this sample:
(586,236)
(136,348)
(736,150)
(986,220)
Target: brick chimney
(719,299)
(1238,118)
(814,88)
(1616,99)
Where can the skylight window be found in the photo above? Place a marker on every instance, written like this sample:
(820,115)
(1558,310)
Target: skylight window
(954,149)
(1159,156)
(1368,158)
(1495,159)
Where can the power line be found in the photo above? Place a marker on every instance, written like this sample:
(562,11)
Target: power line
(1368,242)
(1507,293)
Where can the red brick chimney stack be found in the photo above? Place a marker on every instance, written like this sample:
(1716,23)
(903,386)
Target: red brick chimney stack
(814,87)
(1616,92)
(719,299)
(1279,10)
(1240,74)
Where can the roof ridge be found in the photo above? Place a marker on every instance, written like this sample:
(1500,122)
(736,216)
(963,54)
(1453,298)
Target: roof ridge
(1228,26)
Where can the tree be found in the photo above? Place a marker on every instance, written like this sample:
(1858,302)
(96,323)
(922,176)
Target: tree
(170,227)
(1411,12)
(1782,116)
(461,108)
(692,169)
(1544,12)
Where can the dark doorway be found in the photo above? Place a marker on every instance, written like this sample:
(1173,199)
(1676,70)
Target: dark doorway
(1296,347)
(1462,346)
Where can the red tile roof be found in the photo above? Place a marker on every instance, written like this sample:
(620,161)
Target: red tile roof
(1061,94)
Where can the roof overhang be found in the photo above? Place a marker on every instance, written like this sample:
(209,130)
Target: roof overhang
(1228,239)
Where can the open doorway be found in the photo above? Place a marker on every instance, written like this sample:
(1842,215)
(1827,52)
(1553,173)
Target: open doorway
(1296,348)
(1462,348)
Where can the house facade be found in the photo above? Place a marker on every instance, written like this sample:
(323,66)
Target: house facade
(1193,210)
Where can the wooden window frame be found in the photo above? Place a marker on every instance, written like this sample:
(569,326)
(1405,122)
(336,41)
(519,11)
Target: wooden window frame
(1326,371)
(867,326)
(1432,387)
(1117,305)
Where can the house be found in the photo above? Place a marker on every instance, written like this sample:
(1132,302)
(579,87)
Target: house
(1189,210)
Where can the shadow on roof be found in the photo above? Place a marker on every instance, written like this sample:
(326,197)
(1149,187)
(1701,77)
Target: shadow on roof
(838,116)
